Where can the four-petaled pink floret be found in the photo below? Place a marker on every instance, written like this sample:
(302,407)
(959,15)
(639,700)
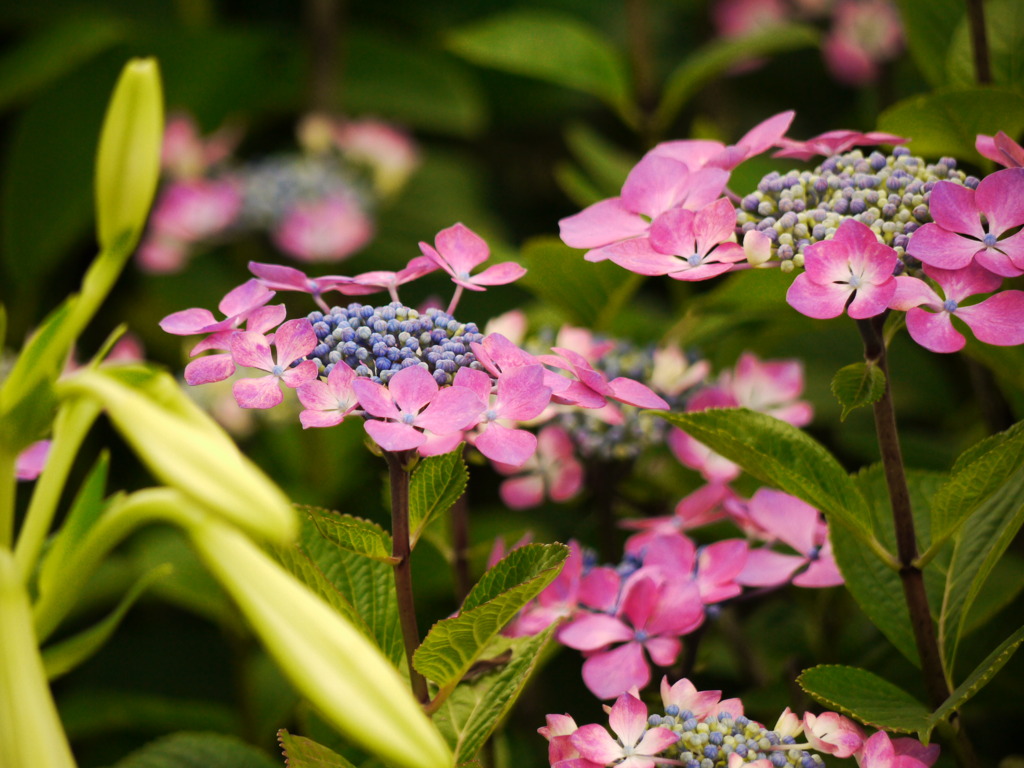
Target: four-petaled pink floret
(635,744)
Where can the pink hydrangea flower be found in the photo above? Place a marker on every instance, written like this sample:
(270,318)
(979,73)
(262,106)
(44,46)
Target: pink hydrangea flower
(865,33)
(327,403)
(997,320)
(702,507)
(190,211)
(594,386)
(31,461)
(769,386)
(384,280)
(325,230)
(558,732)
(412,405)
(655,185)
(852,272)
(779,516)
(652,614)
(553,471)
(881,751)
(389,152)
(294,340)
(277,277)
(186,155)
(834,143)
(635,743)
(683,244)
(459,249)
(703,154)
(957,235)
(684,695)
(833,734)
(714,567)
(1000,149)
(558,600)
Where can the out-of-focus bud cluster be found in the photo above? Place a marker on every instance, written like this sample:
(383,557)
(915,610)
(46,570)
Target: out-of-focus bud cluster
(317,204)
(888,193)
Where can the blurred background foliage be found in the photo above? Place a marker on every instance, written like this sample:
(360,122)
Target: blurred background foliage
(523,113)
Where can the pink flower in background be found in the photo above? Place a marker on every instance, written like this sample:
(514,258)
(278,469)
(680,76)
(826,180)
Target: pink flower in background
(834,143)
(327,403)
(713,568)
(325,230)
(652,614)
(997,320)
(865,34)
(294,340)
(881,751)
(594,386)
(458,250)
(190,211)
(735,18)
(852,272)
(186,155)
(389,152)
(833,734)
(958,235)
(30,462)
(699,508)
(692,453)
(655,185)
(1000,149)
(770,386)
(552,471)
(161,255)
(558,600)
(673,373)
(779,516)
(411,405)
(684,245)
(635,744)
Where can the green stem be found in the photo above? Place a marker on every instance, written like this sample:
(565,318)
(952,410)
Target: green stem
(8,486)
(979,41)
(401,550)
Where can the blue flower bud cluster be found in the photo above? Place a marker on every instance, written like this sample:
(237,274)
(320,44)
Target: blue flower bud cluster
(708,743)
(377,342)
(889,193)
(273,186)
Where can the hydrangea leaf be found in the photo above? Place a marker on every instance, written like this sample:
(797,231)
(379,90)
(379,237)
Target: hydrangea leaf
(719,56)
(552,47)
(590,297)
(929,27)
(980,543)
(198,750)
(454,644)
(436,484)
(477,706)
(1004,27)
(978,678)
(858,385)
(866,697)
(778,453)
(947,121)
(874,585)
(355,534)
(300,752)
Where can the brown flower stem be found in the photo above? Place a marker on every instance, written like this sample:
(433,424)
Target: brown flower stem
(979,41)
(398,474)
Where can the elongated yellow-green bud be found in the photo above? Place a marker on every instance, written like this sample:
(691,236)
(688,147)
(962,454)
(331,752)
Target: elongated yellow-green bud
(185,448)
(128,160)
(31,735)
(326,658)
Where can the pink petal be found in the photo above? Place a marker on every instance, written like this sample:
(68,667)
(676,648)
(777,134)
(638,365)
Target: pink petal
(656,740)
(522,492)
(303,373)
(601,224)
(593,631)
(654,185)
(628,719)
(247,296)
(500,274)
(594,743)
(785,517)
(375,399)
(452,409)
(208,369)
(766,133)
(871,300)
(412,388)
(599,589)
(294,340)
(508,446)
(817,300)
(31,461)
(263,392)
(321,418)
(614,672)
(639,601)
(521,393)
(955,208)
(393,435)
(1000,196)
(639,256)
(941,248)
(663,650)
(766,568)
(934,331)
(912,292)
(190,321)
(672,233)
(461,247)
(714,224)
(822,572)
(251,350)
(998,319)
(634,393)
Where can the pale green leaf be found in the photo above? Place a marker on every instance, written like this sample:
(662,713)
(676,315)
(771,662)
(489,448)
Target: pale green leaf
(589,294)
(858,385)
(476,707)
(436,484)
(782,455)
(364,537)
(549,46)
(454,644)
(300,752)
(866,697)
(198,750)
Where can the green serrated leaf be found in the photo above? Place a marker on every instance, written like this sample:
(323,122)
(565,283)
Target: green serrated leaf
(976,476)
(454,644)
(782,455)
(979,678)
(719,56)
(198,750)
(857,385)
(947,121)
(980,543)
(929,26)
(62,657)
(866,697)
(588,294)
(874,585)
(1004,26)
(364,537)
(475,709)
(552,47)
(300,752)
(436,484)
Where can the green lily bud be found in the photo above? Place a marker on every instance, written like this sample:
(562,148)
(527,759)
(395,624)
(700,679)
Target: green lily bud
(185,448)
(128,160)
(31,734)
(327,659)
